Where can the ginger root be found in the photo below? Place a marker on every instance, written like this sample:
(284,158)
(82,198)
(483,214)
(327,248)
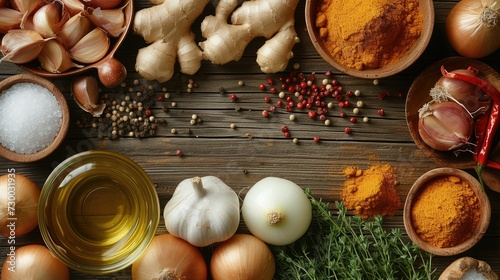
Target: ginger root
(167,26)
(272,19)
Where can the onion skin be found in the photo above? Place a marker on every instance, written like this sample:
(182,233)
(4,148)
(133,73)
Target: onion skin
(468,34)
(170,256)
(445,126)
(34,262)
(26,204)
(243,257)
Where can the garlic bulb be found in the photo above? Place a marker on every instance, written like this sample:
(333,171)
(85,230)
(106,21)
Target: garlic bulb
(202,211)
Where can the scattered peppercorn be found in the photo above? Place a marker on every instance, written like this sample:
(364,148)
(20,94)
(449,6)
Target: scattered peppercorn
(347,130)
(316,139)
(380,112)
(178,153)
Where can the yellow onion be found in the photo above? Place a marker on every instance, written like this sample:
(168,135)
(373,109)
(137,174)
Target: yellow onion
(473,27)
(34,262)
(18,205)
(465,93)
(10,19)
(243,256)
(445,126)
(170,257)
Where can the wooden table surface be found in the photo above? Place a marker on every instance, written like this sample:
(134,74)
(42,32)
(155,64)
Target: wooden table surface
(257,148)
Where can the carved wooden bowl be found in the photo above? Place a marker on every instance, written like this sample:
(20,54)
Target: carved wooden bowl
(484,206)
(427,8)
(111,72)
(30,78)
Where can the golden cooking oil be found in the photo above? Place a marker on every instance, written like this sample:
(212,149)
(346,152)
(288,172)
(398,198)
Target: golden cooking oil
(99,214)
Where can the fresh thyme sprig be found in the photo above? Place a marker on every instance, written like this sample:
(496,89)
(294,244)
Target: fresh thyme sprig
(348,247)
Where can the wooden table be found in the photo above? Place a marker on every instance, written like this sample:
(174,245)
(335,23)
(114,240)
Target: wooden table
(257,148)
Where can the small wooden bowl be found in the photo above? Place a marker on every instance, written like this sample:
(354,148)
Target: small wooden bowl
(427,8)
(111,72)
(484,205)
(418,95)
(30,78)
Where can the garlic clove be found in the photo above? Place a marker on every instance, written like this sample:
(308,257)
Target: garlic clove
(92,47)
(26,7)
(85,91)
(54,58)
(11,19)
(74,30)
(110,20)
(73,6)
(21,45)
(49,19)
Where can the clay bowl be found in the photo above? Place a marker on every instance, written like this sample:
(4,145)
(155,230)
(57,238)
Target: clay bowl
(111,72)
(484,205)
(418,95)
(30,78)
(427,8)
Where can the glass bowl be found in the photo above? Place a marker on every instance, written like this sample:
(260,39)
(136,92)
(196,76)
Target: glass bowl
(98,212)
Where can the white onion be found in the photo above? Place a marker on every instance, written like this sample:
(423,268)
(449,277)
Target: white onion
(277,211)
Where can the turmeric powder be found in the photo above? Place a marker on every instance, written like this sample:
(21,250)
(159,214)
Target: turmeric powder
(368,34)
(446,212)
(371,192)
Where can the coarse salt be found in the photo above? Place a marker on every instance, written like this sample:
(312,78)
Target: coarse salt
(30,118)
(473,275)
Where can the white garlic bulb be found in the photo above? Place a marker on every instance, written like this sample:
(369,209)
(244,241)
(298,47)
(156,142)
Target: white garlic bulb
(202,211)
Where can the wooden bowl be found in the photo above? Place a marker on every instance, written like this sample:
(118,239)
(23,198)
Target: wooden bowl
(427,8)
(418,95)
(30,78)
(111,72)
(484,205)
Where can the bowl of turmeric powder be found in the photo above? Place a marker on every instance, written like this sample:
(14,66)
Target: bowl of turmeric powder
(446,211)
(370,39)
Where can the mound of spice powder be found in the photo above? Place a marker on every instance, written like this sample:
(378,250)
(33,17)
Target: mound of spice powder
(445,212)
(368,34)
(371,192)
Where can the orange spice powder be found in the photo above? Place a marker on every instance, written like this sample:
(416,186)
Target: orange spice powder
(368,34)
(371,192)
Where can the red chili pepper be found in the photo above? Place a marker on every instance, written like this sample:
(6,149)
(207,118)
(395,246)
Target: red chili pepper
(489,135)
(484,85)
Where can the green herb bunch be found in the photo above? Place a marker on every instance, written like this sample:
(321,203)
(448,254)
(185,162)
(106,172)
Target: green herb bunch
(348,247)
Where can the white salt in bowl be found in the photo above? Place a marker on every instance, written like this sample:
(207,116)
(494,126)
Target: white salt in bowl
(49,124)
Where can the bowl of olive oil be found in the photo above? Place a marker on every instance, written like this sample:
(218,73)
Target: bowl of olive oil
(98,212)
